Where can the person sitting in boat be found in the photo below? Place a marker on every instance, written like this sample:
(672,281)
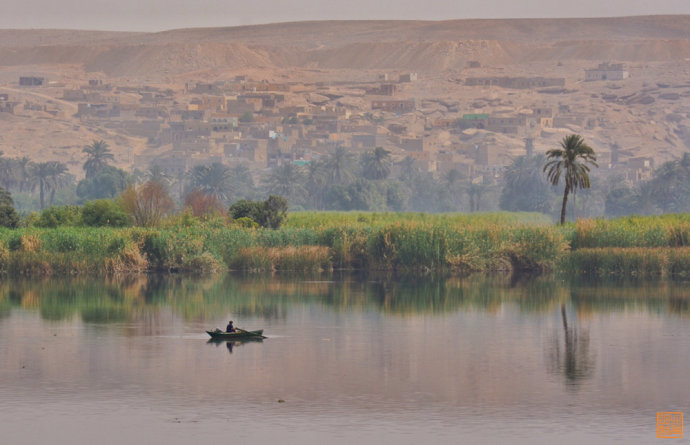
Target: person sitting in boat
(230,327)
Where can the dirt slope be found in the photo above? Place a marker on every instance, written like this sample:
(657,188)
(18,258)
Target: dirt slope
(407,45)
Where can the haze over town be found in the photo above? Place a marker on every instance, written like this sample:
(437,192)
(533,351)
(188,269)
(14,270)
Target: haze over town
(454,101)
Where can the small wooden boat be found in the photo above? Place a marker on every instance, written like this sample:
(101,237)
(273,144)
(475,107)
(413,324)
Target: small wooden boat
(240,334)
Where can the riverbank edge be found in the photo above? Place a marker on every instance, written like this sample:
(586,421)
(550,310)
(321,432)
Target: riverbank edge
(587,248)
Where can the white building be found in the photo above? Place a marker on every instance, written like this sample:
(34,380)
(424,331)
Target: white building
(606,71)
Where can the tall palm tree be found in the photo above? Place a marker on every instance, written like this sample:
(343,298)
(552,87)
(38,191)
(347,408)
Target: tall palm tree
(452,178)
(59,178)
(316,183)
(287,181)
(6,176)
(572,160)
(42,173)
(671,184)
(339,166)
(158,175)
(98,155)
(214,179)
(525,188)
(452,192)
(23,167)
(408,170)
(475,192)
(376,164)
(241,183)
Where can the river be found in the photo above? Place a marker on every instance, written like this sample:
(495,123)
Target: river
(348,359)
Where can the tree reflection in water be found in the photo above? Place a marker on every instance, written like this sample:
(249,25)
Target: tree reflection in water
(271,297)
(572,358)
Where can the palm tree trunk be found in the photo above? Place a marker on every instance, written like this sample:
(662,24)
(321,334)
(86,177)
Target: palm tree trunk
(41,186)
(565,203)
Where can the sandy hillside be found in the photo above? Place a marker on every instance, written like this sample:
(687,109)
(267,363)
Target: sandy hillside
(409,45)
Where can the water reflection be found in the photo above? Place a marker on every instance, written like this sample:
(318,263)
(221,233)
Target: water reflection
(118,300)
(571,357)
(233,344)
(450,356)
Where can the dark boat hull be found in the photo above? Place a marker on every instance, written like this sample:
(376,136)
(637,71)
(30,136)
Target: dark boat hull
(236,335)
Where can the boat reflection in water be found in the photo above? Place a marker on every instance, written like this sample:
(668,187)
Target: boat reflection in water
(230,344)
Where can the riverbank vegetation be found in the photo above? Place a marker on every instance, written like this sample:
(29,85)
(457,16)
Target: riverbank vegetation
(204,221)
(318,241)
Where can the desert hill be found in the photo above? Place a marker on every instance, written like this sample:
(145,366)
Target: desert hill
(406,45)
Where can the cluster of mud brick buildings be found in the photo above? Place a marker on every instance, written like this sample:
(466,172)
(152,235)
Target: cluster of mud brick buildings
(263,124)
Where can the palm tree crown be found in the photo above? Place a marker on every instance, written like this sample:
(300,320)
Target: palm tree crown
(98,155)
(376,164)
(572,160)
(287,181)
(214,180)
(339,165)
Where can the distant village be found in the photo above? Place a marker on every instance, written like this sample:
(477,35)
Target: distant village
(264,124)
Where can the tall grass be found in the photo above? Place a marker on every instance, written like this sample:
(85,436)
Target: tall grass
(672,230)
(373,241)
(376,219)
(637,262)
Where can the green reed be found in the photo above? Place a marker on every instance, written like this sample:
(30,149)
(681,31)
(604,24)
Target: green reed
(370,241)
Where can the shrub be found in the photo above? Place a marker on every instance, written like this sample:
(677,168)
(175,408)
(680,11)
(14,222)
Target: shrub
(6,198)
(59,216)
(269,213)
(104,212)
(8,217)
(243,209)
(272,212)
(147,204)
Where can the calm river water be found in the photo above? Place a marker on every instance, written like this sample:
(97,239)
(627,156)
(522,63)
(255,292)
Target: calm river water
(355,360)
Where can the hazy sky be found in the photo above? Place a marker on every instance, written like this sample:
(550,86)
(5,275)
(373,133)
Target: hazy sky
(156,15)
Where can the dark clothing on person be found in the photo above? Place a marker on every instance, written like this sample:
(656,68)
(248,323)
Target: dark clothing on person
(230,328)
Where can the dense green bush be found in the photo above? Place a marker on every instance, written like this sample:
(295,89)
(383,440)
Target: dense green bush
(104,212)
(8,215)
(269,213)
(59,216)
(243,209)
